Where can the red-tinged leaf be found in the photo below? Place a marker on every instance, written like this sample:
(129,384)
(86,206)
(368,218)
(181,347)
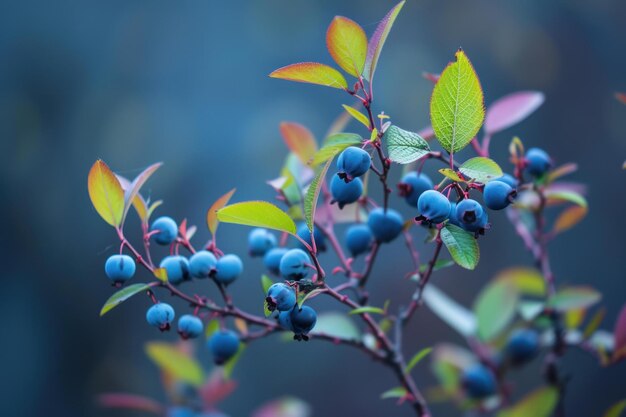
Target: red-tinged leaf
(347,44)
(621,97)
(130,402)
(211,215)
(182,228)
(427,133)
(594,323)
(562,171)
(377,41)
(539,403)
(432,77)
(132,191)
(569,218)
(619,333)
(216,388)
(285,407)
(512,109)
(299,140)
(312,73)
(106,194)
(141,207)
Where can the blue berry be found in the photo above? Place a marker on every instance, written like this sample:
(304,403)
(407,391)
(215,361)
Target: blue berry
(272,258)
(478,381)
(190,326)
(385,226)
(177,268)
(304,234)
(180,412)
(522,346)
(433,206)
(302,321)
(508,179)
(413,185)
(359,239)
(498,194)
(228,268)
(452,219)
(168,230)
(202,264)
(353,162)
(294,265)
(160,315)
(471,215)
(280,297)
(223,345)
(260,241)
(538,162)
(119,268)
(345,192)
(284,320)
(212,414)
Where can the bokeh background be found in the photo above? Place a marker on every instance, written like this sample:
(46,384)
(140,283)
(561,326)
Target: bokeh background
(134,82)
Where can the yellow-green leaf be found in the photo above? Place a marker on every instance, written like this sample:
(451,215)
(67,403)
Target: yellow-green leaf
(495,308)
(211,215)
(417,358)
(481,169)
(451,174)
(299,140)
(574,298)
(360,117)
(561,196)
(461,245)
(334,144)
(257,214)
(347,44)
(106,193)
(539,403)
(405,147)
(617,409)
(161,274)
(180,366)
(122,295)
(229,366)
(312,194)
(266,283)
(397,392)
(368,310)
(313,73)
(377,41)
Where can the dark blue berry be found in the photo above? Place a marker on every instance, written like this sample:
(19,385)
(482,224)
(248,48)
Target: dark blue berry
(345,192)
(433,206)
(119,268)
(280,297)
(452,219)
(168,230)
(260,241)
(359,239)
(498,194)
(522,346)
(302,321)
(272,258)
(413,185)
(228,268)
(202,264)
(223,345)
(304,234)
(478,381)
(538,162)
(190,326)
(385,226)
(471,215)
(177,268)
(353,162)
(284,320)
(294,265)
(508,179)
(160,315)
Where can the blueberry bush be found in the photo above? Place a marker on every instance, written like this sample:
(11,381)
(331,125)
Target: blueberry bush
(522,314)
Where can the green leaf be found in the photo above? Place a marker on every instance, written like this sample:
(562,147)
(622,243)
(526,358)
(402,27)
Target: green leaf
(266,283)
(347,44)
(495,308)
(461,245)
(417,358)
(457,107)
(334,144)
(405,147)
(566,196)
(594,323)
(455,315)
(133,190)
(230,365)
(377,41)
(451,174)
(312,194)
(527,281)
(211,327)
(368,309)
(360,117)
(257,214)
(171,360)
(616,410)
(539,403)
(266,309)
(106,193)
(313,73)
(574,298)
(337,324)
(308,295)
(440,264)
(123,295)
(481,169)
(397,392)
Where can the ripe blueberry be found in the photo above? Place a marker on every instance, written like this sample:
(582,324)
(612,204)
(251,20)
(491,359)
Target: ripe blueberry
(260,241)
(433,207)
(168,230)
(471,216)
(160,315)
(498,194)
(202,264)
(359,239)
(522,346)
(294,265)
(478,381)
(280,297)
(189,326)
(228,268)
(304,234)
(385,226)
(302,321)
(284,320)
(508,179)
(119,268)
(538,162)
(177,268)
(452,216)
(223,345)
(272,258)
(345,193)
(413,185)
(353,162)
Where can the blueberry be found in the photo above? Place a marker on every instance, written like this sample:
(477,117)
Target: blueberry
(160,315)
(223,345)
(385,226)
(353,162)
(508,179)
(190,326)
(304,234)
(359,239)
(478,381)
(280,297)
(228,268)
(294,265)
(452,216)
(413,185)
(272,258)
(433,206)
(471,215)
(180,412)
(260,241)
(177,268)
(522,346)
(119,268)
(302,321)
(202,264)
(345,193)
(538,162)
(284,320)
(498,194)
(168,230)
(212,414)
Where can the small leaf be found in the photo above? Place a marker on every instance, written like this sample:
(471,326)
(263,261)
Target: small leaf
(417,358)
(617,408)
(594,323)
(397,392)
(338,325)
(461,245)
(527,281)
(569,218)
(299,140)
(556,196)
(561,171)
(171,360)
(440,264)
(495,308)
(334,144)
(347,44)
(229,366)
(451,312)
(530,310)
(313,73)
(405,147)
(211,327)
(211,215)
(138,202)
(130,402)
(621,97)
(539,403)
(368,309)
(106,193)
(266,309)
(312,195)
(241,325)
(456,108)
(151,209)
(310,295)
(123,295)
(481,169)
(377,41)
(161,274)
(512,109)
(266,283)
(451,174)
(133,191)
(257,214)
(360,117)
(574,298)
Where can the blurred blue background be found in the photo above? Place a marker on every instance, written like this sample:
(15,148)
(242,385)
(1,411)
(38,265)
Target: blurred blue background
(134,82)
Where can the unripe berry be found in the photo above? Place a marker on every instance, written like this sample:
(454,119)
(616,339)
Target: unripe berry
(223,345)
(522,346)
(294,265)
(478,381)
(160,315)
(119,268)
(538,162)
(302,321)
(260,241)
(345,193)
(228,268)
(281,297)
(385,226)
(177,268)
(304,234)
(433,206)
(413,185)
(353,162)
(272,258)
(202,264)
(498,194)
(189,326)
(168,230)
(359,239)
